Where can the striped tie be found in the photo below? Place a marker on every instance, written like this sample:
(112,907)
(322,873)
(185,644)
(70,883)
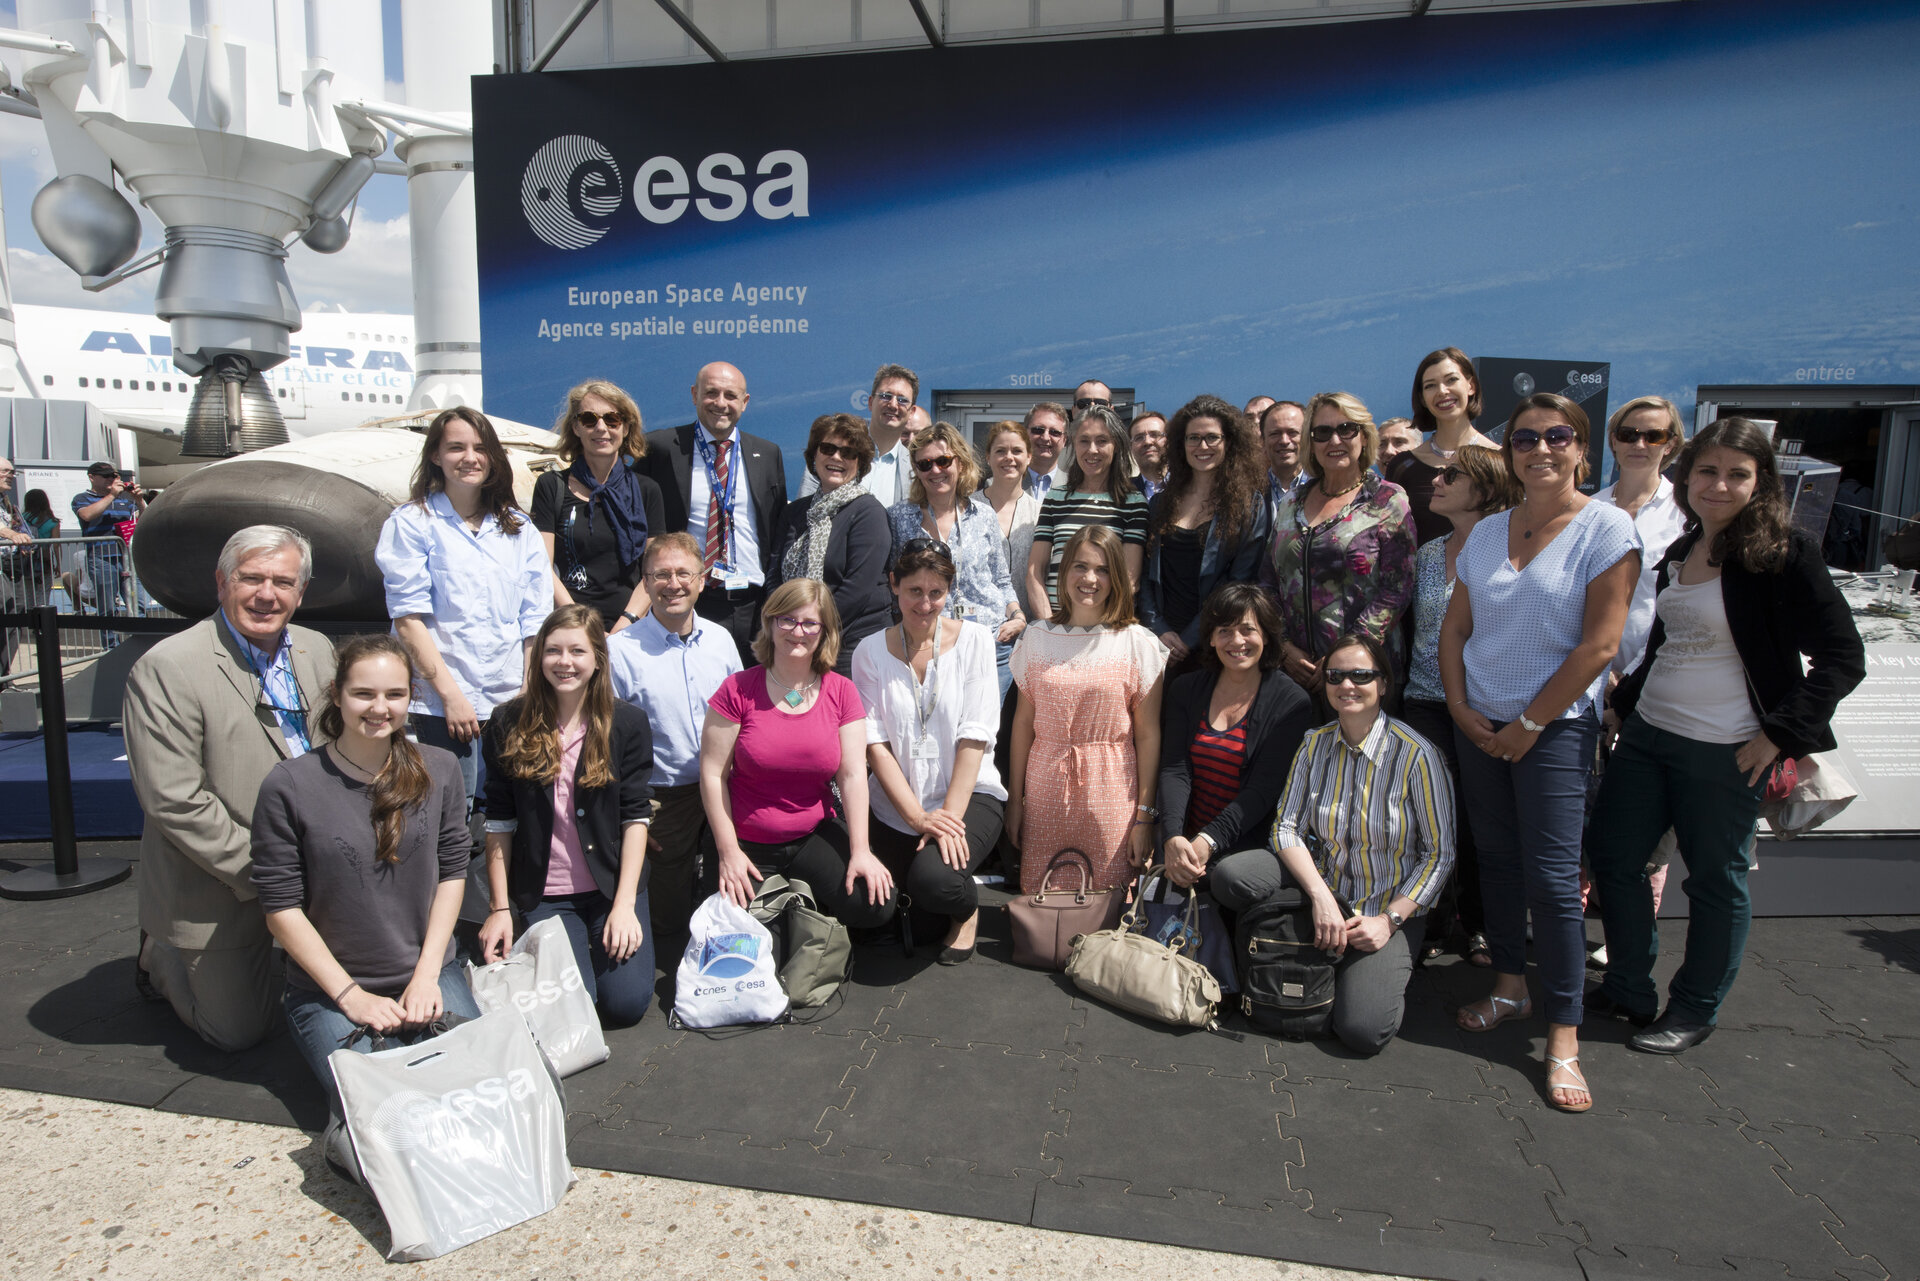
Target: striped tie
(717,514)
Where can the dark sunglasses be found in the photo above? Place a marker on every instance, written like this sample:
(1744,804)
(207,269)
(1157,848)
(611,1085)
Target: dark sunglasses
(1088,402)
(1451,474)
(925,544)
(1327,431)
(1526,438)
(934,464)
(1358,675)
(829,450)
(1652,435)
(587,418)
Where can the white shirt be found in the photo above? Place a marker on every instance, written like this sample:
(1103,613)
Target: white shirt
(671,679)
(961,697)
(483,595)
(744,547)
(1698,686)
(1658,522)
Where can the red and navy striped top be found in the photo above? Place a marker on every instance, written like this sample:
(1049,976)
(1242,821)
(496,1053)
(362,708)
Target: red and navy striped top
(1218,758)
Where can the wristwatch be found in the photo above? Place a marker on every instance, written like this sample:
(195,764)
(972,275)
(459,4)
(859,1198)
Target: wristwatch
(1395,920)
(629,615)
(1532,727)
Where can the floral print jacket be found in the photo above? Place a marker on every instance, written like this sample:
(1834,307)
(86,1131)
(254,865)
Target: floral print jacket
(1351,573)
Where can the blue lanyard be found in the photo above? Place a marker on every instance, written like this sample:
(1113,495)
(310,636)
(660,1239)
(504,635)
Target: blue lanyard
(708,459)
(296,716)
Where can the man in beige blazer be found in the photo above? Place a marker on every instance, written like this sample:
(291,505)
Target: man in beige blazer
(209,711)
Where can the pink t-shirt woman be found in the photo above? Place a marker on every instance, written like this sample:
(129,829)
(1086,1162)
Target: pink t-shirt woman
(783,763)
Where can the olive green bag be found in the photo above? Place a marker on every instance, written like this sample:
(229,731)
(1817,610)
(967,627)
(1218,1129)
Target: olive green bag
(813,950)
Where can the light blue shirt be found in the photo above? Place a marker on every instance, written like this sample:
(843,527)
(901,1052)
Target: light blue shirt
(671,679)
(483,595)
(983,582)
(744,547)
(1526,621)
(278,688)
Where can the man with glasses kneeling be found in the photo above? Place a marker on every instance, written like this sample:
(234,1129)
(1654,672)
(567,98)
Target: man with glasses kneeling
(1366,821)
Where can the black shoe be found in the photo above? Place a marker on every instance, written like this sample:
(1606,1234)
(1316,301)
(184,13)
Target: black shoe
(1600,1005)
(955,955)
(1670,1034)
(142,981)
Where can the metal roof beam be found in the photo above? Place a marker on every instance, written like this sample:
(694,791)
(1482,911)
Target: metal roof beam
(927,24)
(563,35)
(694,33)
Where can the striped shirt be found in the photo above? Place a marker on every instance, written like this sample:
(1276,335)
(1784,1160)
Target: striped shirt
(1377,818)
(1217,758)
(1063,514)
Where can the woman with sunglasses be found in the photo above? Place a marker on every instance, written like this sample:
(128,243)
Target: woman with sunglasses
(933,713)
(945,505)
(595,512)
(1473,484)
(1099,491)
(1207,525)
(1539,599)
(839,534)
(1646,435)
(1721,696)
(1086,730)
(780,739)
(1365,828)
(1017,511)
(1341,560)
(1446,400)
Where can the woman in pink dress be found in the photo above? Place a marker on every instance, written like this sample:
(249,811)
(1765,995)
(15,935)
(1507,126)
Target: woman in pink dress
(1086,735)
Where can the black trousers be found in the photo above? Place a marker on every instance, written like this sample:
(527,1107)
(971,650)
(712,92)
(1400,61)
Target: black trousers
(820,859)
(927,879)
(1461,897)
(738,611)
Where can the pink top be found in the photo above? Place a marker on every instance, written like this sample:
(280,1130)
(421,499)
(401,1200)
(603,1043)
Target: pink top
(782,762)
(566,863)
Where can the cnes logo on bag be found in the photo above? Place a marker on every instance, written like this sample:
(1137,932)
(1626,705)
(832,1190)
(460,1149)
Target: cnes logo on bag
(728,956)
(452,1124)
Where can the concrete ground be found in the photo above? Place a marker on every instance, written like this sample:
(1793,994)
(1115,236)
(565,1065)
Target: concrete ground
(105,1190)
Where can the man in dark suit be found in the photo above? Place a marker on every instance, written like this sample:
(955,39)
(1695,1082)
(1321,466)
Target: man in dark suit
(729,490)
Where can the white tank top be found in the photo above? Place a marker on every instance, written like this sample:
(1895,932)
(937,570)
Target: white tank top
(1697,688)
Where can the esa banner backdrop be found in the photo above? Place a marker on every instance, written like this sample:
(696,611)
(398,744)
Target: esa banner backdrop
(1714,192)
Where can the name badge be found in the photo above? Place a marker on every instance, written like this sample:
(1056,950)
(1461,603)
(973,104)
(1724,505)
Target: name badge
(736,582)
(925,749)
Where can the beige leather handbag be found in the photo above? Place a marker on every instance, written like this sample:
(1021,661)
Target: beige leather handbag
(1125,968)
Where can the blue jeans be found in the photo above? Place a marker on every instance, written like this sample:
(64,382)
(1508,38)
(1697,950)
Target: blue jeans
(1527,817)
(1001,653)
(319,1028)
(621,989)
(432,730)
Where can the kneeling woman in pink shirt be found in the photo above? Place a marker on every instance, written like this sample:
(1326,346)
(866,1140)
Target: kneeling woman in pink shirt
(567,805)
(778,738)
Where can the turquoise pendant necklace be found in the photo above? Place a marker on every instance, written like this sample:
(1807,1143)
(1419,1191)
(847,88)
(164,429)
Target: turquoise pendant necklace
(793,697)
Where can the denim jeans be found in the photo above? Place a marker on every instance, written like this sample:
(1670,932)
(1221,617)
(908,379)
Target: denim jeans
(1527,817)
(1001,655)
(622,990)
(319,1028)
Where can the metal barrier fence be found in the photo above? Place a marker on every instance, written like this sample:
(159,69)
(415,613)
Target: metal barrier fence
(83,577)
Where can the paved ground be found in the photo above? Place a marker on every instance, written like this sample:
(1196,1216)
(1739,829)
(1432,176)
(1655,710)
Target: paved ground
(1789,1144)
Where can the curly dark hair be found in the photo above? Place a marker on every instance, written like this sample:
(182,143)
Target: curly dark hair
(1238,481)
(1759,536)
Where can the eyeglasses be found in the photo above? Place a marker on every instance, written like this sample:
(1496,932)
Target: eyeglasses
(1327,431)
(1526,438)
(1088,402)
(798,626)
(671,575)
(1358,675)
(826,449)
(586,419)
(1210,441)
(934,464)
(893,398)
(1450,474)
(923,545)
(1632,435)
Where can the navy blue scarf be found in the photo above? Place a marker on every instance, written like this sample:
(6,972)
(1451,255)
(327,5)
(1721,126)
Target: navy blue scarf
(620,499)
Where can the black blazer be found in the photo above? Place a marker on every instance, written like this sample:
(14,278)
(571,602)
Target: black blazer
(670,459)
(1281,716)
(859,541)
(599,813)
(1775,618)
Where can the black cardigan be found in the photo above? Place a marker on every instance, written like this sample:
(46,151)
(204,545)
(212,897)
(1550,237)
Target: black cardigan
(600,813)
(859,542)
(1775,618)
(1281,716)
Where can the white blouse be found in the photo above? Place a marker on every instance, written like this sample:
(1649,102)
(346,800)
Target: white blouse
(960,699)
(1658,522)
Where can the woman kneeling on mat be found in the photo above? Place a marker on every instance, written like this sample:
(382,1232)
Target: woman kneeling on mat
(932,694)
(567,804)
(360,860)
(778,738)
(1366,820)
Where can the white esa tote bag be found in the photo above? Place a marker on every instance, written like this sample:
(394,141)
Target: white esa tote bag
(541,979)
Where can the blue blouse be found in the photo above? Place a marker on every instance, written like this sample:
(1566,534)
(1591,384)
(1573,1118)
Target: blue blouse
(982,585)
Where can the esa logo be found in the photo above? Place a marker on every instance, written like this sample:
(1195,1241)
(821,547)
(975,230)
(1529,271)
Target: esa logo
(573,188)
(452,1125)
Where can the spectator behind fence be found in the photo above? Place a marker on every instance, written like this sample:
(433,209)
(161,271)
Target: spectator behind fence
(1017,512)
(596,514)
(839,534)
(1475,483)
(208,712)
(933,712)
(1720,696)
(25,573)
(567,808)
(1228,734)
(945,504)
(668,665)
(468,584)
(1538,603)
(1446,400)
(778,736)
(109,503)
(1367,816)
(1085,757)
(1341,560)
(1098,491)
(1207,526)
(360,857)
